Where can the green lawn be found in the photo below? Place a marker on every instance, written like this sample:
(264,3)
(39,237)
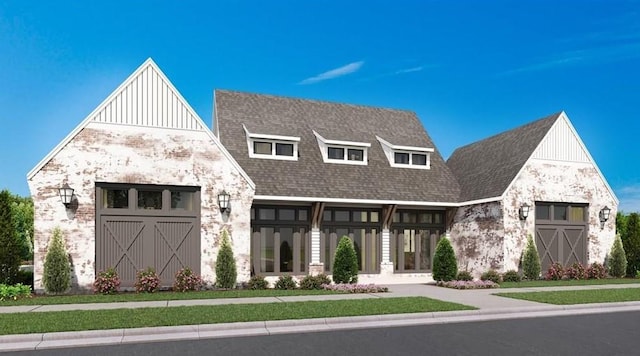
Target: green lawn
(41,322)
(140,297)
(584,296)
(582,282)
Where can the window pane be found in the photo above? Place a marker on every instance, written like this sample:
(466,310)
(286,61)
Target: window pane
(559,213)
(401,158)
(266,214)
(150,199)
(408,217)
(302,215)
(425,218)
(262,148)
(360,216)
(437,218)
(115,198)
(355,155)
(287,214)
(286,249)
(419,159)
(326,215)
(266,249)
(396,217)
(303,253)
(284,149)
(335,153)
(542,212)
(182,201)
(409,249)
(576,213)
(342,215)
(374,216)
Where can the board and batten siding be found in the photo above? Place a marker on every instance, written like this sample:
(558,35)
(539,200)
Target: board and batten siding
(562,144)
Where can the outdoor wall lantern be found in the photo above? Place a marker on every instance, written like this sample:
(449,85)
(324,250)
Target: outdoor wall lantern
(604,214)
(66,194)
(524,211)
(223,201)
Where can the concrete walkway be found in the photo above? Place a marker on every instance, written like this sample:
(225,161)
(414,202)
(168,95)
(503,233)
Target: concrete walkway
(490,307)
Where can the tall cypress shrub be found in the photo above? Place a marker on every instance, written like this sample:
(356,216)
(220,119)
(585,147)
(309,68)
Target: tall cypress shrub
(631,244)
(9,246)
(345,262)
(617,261)
(531,260)
(57,269)
(226,273)
(445,266)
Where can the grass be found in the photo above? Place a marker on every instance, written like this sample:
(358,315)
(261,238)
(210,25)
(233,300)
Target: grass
(568,282)
(42,322)
(143,297)
(567,297)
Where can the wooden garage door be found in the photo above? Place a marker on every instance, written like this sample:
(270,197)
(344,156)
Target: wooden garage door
(134,233)
(561,234)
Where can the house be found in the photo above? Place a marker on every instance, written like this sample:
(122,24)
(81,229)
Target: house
(154,186)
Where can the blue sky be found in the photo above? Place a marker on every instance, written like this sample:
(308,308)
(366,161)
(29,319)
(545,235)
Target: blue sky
(469,69)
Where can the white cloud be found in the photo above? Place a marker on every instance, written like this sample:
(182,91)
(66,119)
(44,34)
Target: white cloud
(629,198)
(334,73)
(409,70)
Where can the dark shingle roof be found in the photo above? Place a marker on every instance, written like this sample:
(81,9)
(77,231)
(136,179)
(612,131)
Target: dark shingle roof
(485,169)
(309,176)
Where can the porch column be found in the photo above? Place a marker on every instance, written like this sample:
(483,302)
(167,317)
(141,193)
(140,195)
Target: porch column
(386,265)
(315,266)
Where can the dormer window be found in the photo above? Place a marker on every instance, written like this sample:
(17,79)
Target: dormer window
(272,146)
(406,156)
(345,152)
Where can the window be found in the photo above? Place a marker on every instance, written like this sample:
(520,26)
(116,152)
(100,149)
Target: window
(115,198)
(561,212)
(335,153)
(182,200)
(401,158)
(262,148)
(284,149)
(419,159)
(355,154)
(345,152)
(272,146)
(407,156)
(150,199)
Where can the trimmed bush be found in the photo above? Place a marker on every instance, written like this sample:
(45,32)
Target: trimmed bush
(464,276)
(491,275)
(355,288)
(345,263)
(310,282)
(631,243)
(9,245)
(147,281)
(286,282)
(186,281)
(57,270)
(511,276)
(107,282)
(555,272)
(468,284)
(576,271)
(617,261)
(596,271)
(226,273)
(257,282)
(445,266)
(530,260)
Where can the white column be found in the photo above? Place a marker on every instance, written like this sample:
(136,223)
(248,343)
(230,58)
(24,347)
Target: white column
(386,266)
(315,266)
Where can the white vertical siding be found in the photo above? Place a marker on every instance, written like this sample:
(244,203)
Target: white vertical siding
(148,100)
(562,144)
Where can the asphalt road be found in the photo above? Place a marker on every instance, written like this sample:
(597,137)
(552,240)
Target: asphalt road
(596,334)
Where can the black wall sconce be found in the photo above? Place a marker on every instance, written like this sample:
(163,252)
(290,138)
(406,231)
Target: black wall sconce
(223,201)
(604,214)
(524,211)
(66,194)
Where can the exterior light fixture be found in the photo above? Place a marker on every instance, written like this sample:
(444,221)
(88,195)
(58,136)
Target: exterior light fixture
(604,214)
(524,211)
(66,194)
(223,201)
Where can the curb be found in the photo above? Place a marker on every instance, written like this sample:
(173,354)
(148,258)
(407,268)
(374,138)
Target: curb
(22,342)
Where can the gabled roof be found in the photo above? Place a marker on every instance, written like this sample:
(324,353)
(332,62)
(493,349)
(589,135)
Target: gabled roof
(309,176)
(486,168)
(145,98)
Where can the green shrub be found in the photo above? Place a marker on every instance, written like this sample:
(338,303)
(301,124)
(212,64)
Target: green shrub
(530,260)
(226,273)
(314,282)
(57,270)
(631,243)
(445,266)
(10,247)
(491,275)
(511,276)
(258,282)
(107,282)
(286,282)
(25,278)
(345,263)
(464,276)
(186,281)
(617,261)
(14,292)
(147,281)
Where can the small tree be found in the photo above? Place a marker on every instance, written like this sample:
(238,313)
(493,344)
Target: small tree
(9,247)
(530,260)
(617,261)
(57,271)
(345,263)
(631,243)
(445,266)
(226,273)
